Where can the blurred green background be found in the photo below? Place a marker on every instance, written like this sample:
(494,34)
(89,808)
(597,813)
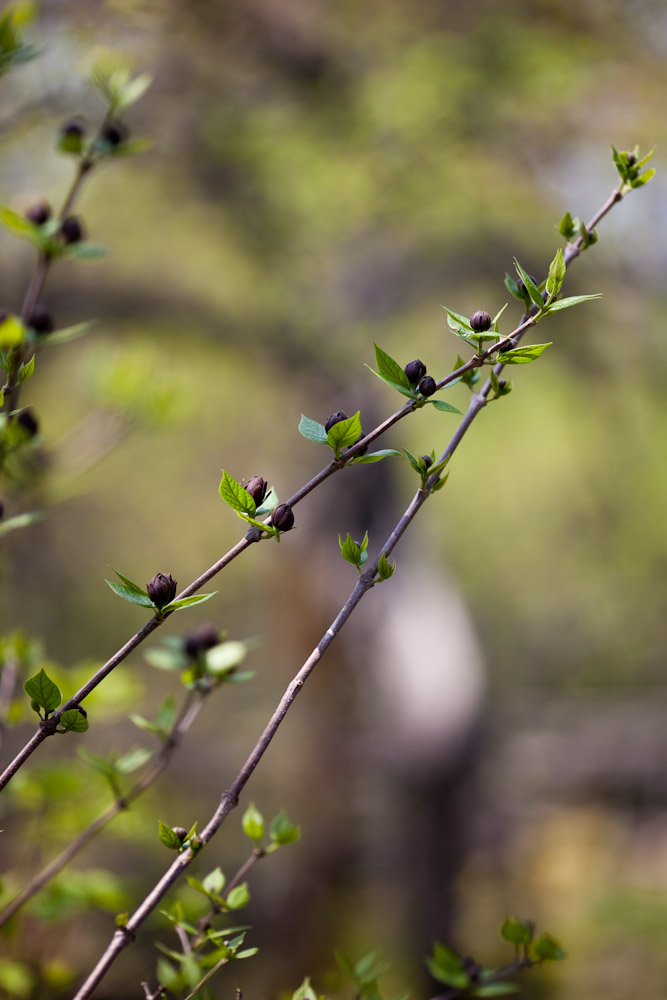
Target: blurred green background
(322,176)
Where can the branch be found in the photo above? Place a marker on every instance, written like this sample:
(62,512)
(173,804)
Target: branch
(48,728)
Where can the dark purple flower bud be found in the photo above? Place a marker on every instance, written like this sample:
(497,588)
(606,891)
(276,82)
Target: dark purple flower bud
(202,638)
(115,133)
(162,589)
(257,488)
(427,385)
(82,711)
(362,451)
(282,517)
(39,212)
(632,159)
(427,460)
(180,832)
(480,321)
(335,418)
(415,371)
(28,422)
(40,319)
(522,287)
(71,229)
(74,127)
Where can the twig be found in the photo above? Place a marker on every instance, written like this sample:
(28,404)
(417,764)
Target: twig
(48,728)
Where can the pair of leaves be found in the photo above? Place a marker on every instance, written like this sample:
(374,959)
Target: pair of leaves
(281,830)
(354,552)
(171,839)
(427,469)
(45,697)
(135,594)
(212,887)
(521,933)
(629,167)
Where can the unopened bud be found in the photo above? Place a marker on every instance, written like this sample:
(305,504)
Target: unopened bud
(427,385)
(415,371)
(282,517)
(71,229)
(40,319)
(257,488)
(335,418)
(522,287)
(202,638)
(480,321)
(162,589)
(28,422)
(115,133)
(427,460)
(39,212)
(180,832)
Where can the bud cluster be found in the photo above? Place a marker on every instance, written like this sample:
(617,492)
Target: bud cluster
(415,372)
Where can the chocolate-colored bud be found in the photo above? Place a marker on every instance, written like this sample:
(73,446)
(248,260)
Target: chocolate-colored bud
(71,229)
(115,133)
(480,321)
(257,488)
(632,159)
(74,127)
(180,832)
(202,638)
(473,968)
(282,517)
(522,287)
(335,418)
(39,212)
(427,385)
(162,589)
(427,460)
(362,451)
(40,319)
(415,371)
(28,422)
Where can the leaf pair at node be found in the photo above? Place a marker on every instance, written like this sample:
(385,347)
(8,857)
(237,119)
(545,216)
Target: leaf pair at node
(629,168)
(281,831)
(135,594)
(425,468)
(45,697)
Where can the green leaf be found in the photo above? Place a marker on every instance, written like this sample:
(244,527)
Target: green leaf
(556,274)
(440,483)
(345,433)
(130,584)
(354,552)
(253,823)
(130,595)
(85,250)
(517,931)
(73,721)
(531,287)
(444,407)
(495,990)
(523,355)
(104,767)
(643,178)
(374,456)
(574,300)
(168,837)
(305,991)
(22,227)
(246,953)
(214,881)
(312,430)
(547,949)
(41,689)
(385,571)
(238,897)
(235,496)
(134,90)
(26,370)
(568,226)
(133,760)
(66,334)
(457,322)
(187,602)
(282,831)
(513,288)
(20,521)
(446,966)
(225,657)
(390,369)
(410,393)
(12,332)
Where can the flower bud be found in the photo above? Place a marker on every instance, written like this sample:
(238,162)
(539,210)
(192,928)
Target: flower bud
(480,321)
(282,517)
(632,159)
(427,385)
(162,589)
(427,460)
(82,711)
(257,488)
(415,371)
(71,229)
(74,127)
(28,422)
(40,319)
(202,638)
(115,133)
(522,287)
(39,212)
(335,418)
(180,832)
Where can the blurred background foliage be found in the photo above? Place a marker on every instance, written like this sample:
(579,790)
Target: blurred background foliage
(321,176)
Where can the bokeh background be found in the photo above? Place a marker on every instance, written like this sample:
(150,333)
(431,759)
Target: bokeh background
(490,736)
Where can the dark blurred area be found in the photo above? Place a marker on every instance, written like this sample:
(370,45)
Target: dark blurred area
(488,737)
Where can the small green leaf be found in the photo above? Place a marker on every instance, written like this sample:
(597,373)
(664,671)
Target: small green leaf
(225,657)
(26,370)
(344,433)
(73,721)
(133,760)
(312,430)
(41,689)
(568,226)
(444,407)
(214,881)
(282,831)
(643,178)
(85,250)
(440,483)
(12,332)
(446,966)
(523,355)
(354,552)
(305,991)
(187,602)
(513,288)
(168,837)
(238,897)
(457,322)
(410,393)
(253,823)
(531,287)
(246,953)
(235,496)
(22,227)
(130,595)
(385,570)
(374,456)
(547,949)
(65,335)
(20,521)
(574,300)
(556,274)
(495,990)
(390,369)
(122,919)
(104,767)
(517,931)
